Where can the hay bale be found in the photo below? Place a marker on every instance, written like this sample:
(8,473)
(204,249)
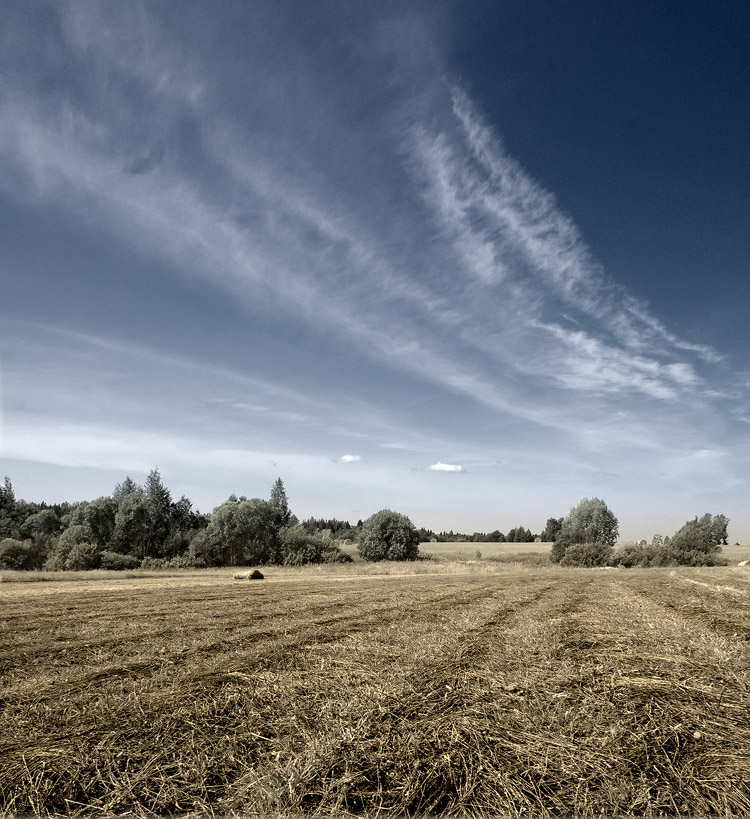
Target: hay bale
(253,575)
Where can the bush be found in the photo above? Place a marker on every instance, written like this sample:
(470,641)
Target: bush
(631,555)
(587,555)
(118,562)
(183,561)
(300,547)
(57,556)
(389,535)
(16,554)
(698,541)
(82,557)
(695,544)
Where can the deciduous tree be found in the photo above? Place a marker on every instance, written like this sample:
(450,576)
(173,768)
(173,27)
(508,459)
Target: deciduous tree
(245,532)
(590,522)
(388,535)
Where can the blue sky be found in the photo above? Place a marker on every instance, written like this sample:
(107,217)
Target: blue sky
(470,261)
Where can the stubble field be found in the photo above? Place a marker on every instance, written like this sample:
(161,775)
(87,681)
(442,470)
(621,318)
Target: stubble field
(462,689)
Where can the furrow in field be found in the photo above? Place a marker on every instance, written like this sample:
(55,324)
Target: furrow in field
(575,692)
(260,641)
(87,656)
(546,708)
(402,745)
(708,604)
(227,705)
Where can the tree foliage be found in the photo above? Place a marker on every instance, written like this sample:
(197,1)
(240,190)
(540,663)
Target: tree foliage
(300,547)
(98,518)
(519,534)
(242,532)
(16,554)
(159,505)
(280,503)
(83,556)
(388,535)
(8,510)
(133,524)
(142,526)
(701,537)
(42,526)
(551,529)
(590,522)
(697,543)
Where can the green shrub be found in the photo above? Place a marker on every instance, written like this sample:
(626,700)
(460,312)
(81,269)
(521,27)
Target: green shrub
(631,555)
(300,547)
(587,554)
(57,556)
(118,562)
(698,542)
(16,554)
(388,535)
(82,557)
(183,561)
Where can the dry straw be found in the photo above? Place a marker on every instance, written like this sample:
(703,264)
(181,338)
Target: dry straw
(508,694)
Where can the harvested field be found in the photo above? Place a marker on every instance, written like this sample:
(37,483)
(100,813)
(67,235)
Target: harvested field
(506,691)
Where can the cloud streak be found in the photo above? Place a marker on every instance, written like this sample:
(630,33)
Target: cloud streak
(385,276)
(504,229)
(522,250)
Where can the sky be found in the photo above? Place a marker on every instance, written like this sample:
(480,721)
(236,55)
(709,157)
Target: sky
(469,261)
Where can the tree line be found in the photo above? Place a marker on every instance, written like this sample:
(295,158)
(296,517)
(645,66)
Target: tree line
(518,534)
(142,526)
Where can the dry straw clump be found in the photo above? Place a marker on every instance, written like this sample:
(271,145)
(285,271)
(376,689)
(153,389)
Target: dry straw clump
(514,693)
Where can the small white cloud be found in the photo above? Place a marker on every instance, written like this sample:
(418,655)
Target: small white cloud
(441,467)
(347,459)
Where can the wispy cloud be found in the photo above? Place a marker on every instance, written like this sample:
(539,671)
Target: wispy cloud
(506,230)
(385,276)
(526,253)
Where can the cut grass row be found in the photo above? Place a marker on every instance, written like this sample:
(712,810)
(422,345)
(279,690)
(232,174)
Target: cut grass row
(513,693)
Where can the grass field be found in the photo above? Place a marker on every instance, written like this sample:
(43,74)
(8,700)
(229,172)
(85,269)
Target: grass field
(457,687)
